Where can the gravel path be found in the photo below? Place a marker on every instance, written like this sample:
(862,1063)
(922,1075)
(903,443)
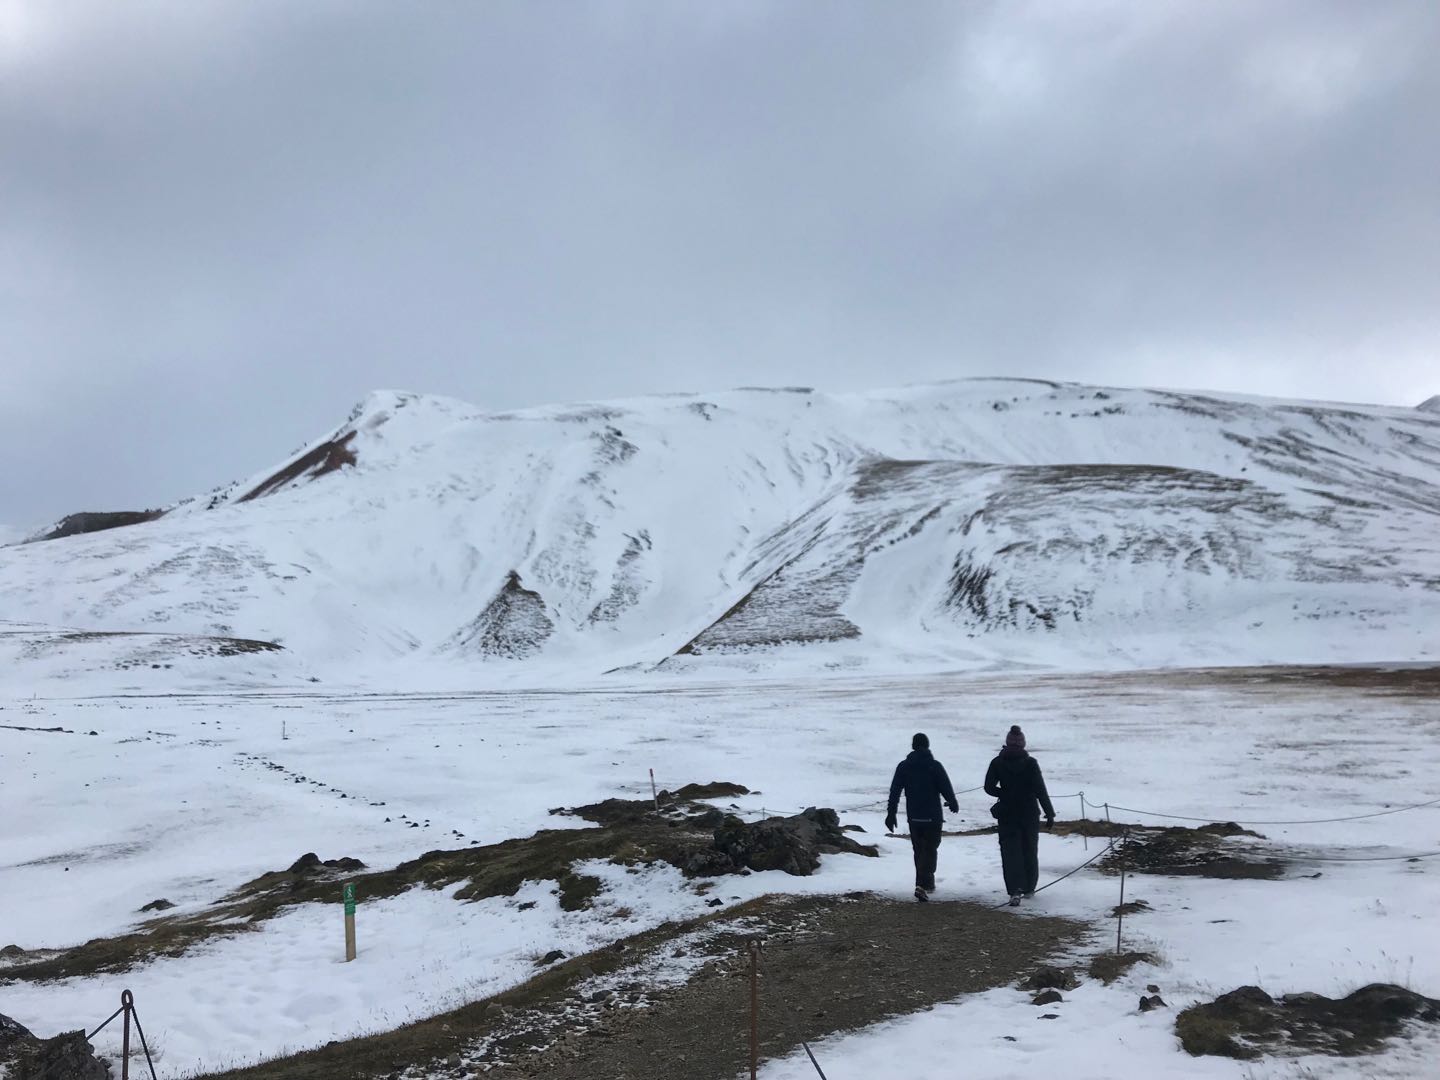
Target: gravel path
(675,1002)
(828,965)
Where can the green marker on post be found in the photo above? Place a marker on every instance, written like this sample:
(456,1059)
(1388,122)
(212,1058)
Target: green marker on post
(348,895)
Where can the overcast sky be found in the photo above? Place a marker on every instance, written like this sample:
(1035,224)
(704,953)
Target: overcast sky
(222,223)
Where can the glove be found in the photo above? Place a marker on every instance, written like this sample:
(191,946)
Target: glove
(1049,823)
(890,823)
(954,807)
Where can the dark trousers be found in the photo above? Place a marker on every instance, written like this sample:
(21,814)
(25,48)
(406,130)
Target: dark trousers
(1020,854)
(925,839)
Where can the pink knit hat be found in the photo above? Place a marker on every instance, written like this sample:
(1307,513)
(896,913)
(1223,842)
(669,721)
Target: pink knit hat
(1016,739)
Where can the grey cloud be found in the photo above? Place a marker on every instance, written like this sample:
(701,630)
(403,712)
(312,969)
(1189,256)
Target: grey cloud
(222,223)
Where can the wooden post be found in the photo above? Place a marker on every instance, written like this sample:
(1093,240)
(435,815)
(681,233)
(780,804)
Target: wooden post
(754,1008)
(653,793)
(284,734)
(1083,837)
(348,895)
(1124,863)
(126,1003)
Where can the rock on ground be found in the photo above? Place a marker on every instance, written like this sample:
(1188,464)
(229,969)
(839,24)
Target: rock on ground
(68,1056)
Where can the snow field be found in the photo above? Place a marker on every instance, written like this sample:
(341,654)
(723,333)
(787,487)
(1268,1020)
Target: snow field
(180,804)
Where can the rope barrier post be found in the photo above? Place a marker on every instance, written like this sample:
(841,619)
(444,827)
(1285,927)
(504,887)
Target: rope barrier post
(127,1003)
(347,895)
(754,1008)
(1084,837)
(1124,865)
(653,793)
(813,1061)
(134,1014)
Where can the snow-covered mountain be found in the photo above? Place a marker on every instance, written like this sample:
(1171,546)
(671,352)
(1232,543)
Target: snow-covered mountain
(962,524)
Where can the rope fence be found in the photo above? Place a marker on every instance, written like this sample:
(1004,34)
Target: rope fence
(1292,821)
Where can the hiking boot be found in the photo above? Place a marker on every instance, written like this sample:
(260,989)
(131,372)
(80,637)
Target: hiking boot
(1028,895)
(921,894)
(1015,900)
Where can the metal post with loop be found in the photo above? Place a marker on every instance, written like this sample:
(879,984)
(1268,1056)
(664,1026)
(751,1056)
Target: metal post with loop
(1124,865)
(126,1004)
(754,1008)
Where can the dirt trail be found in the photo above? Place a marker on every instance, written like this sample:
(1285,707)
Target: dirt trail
(675,1002)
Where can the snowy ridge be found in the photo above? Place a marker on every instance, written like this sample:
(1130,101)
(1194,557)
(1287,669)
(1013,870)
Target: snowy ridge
(964,524)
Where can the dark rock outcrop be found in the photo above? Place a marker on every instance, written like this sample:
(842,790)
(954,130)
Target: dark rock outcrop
(310,863)
(1248,1023)
(792,844)
(89,522)
(328,457)
(1049,977)
(24,1056)
(514,625)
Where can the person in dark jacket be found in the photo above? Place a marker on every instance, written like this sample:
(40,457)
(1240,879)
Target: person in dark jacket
(1014,779)
(924,783)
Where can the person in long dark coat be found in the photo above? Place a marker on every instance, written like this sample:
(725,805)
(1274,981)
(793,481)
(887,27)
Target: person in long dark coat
(924,783)
(1015,781)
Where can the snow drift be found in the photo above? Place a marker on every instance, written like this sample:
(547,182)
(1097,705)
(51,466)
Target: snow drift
(966,524)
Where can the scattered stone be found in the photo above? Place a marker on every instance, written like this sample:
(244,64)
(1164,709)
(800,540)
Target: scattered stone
(1154,1001)
(1130,907)
(1248,1022)
(1048,977)
(10,952)
(1047,997)
(1153,989)
(1049,1016)
(157,905)
(552,956)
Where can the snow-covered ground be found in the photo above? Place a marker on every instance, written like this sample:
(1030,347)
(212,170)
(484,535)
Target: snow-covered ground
(172,797)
